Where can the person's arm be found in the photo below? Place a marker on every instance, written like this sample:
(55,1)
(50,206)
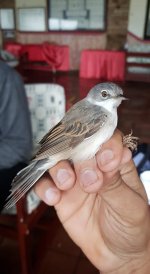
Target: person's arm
(15,130)
(104,208)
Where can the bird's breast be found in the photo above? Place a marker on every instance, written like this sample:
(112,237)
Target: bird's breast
(89,147)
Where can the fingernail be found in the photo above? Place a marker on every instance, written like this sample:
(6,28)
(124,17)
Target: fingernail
(88,177)
(62,176)
(50,195)
(106,156)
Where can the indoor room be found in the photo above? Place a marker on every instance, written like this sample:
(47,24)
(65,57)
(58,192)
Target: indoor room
(75,191)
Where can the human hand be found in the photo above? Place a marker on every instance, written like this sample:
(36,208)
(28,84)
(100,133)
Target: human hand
(103,207)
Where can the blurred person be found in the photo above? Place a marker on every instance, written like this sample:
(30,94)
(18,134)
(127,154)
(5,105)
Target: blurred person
(15,129)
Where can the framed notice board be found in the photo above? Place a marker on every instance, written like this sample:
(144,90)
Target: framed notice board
(76,15)
(31,19)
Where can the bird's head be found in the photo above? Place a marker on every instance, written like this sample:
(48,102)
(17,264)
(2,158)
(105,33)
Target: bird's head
(108,95)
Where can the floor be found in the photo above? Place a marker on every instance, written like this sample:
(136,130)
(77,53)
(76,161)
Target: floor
(60,254)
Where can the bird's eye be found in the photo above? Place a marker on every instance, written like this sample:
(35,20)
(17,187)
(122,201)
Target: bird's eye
(104,93)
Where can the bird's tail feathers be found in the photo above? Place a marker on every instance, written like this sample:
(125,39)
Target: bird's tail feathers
(25,179)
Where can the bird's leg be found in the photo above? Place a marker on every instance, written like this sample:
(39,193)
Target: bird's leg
(130,141)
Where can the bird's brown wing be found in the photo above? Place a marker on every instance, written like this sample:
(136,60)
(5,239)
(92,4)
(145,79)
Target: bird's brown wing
(78,124)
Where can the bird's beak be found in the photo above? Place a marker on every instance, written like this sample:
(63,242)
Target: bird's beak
(123,98)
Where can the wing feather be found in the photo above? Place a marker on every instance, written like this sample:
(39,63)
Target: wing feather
(81,122)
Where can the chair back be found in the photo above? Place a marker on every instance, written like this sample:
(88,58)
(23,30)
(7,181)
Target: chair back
(47,107)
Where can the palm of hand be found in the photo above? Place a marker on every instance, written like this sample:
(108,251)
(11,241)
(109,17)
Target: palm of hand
(96,219)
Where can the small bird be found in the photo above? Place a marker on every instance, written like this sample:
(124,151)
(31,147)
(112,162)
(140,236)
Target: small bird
(77,137)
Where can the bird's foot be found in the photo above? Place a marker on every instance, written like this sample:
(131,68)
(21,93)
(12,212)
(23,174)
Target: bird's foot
(130,141)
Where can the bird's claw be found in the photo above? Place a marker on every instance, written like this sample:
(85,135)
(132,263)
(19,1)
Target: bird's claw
(130,141)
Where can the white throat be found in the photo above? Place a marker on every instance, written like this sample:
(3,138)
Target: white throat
(109,104)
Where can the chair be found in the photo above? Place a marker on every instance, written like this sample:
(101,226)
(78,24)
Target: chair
(47,107)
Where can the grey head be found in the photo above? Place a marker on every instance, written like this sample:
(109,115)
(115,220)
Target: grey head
(103,92)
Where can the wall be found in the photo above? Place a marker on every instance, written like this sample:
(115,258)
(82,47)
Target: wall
(30,3)
(113,38)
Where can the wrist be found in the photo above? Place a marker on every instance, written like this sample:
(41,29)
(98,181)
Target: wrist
(137,263)
(136,266)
